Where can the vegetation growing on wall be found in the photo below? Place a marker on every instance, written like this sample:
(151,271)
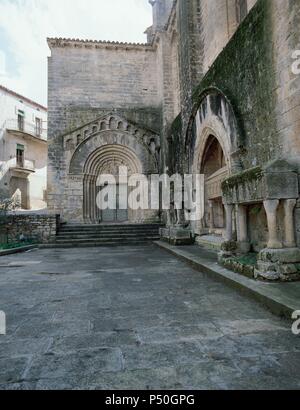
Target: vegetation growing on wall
(253,174)
(174,143)
(6,206)
(244,73)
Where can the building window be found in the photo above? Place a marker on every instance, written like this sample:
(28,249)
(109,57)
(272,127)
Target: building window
(21,117)
(241,10)
(20,156)
(38,127)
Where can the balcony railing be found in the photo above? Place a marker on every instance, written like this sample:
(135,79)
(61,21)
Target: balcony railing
(22,164)
(214,183)
(26,128)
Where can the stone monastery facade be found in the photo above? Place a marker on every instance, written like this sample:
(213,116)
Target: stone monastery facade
(211,92)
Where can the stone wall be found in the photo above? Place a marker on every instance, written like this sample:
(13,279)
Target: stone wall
(205,27)
(286,39)
(87,81)
(237,85)
(244,72)
(34,227)
(254,72)
(99,75)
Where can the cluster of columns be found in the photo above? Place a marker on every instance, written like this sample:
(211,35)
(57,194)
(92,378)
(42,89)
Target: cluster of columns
(91,213)
(271,207)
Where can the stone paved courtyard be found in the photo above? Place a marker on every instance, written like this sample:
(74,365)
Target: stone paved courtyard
(134,318)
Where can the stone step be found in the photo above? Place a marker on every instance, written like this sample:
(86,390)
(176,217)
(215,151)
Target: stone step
(104,231)
(85,244)
(104,239)
(106,235)
(107,226)
(111,235)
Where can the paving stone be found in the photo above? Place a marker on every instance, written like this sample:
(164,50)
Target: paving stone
(51,366)
(136,325)
(97,340)
(177,334)
(21,347)
(164,378)
(12,369)
(51,329)
(162,355)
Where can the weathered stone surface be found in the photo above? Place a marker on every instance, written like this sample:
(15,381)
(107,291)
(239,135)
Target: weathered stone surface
(145,320)
(33,227)
(279,264)
(280,255)
(177,236)
(194,89)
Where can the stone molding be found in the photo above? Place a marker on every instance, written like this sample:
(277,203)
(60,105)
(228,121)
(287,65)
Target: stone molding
(97,44)
(111,122)
(277,180)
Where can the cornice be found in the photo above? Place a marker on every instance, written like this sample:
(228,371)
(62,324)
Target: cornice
(97,44)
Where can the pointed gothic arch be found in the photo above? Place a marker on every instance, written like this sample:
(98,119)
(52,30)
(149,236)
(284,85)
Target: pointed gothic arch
(214,144)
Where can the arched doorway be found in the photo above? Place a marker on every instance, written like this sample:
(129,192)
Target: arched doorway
(108,160)
(100,147)
(215,170)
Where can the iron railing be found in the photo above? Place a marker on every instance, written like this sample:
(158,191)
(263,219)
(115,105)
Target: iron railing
(24,164)
(27,128)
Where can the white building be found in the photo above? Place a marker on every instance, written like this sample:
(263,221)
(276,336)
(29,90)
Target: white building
(23,150)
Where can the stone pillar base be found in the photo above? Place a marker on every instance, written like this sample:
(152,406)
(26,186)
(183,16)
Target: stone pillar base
(243,247)
(279,265)
(228,249)
(176,236)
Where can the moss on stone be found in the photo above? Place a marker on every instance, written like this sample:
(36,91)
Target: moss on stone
(249,260)
(244,265)
(244,73)
(250,175)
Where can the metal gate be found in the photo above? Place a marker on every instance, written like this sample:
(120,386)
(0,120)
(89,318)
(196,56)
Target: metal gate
(115,215)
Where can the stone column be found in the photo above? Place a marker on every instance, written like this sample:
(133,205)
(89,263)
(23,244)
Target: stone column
(211,215)
(228,232)
(242,223)
(289,227)
(88,199)
(93,200)
(242,229)
(84,198)
(271,207)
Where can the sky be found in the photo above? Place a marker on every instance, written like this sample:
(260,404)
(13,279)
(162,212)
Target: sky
(25,25)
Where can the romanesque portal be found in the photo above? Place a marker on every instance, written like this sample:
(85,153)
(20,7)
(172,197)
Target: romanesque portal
(101,148)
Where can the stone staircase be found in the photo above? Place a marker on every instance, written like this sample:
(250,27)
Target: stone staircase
(70,236)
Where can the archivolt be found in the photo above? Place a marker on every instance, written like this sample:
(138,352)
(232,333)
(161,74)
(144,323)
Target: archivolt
(109,158)
(121,143)
(214,114)
(213,102)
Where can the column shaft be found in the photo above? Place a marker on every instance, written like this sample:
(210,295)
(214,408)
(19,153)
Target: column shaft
(211,215)
(289,226)
(242,223)
(228,233)
(271,207)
